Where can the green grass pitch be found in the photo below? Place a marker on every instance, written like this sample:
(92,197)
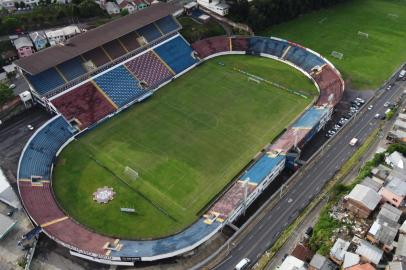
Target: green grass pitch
(186,142)
(367,62)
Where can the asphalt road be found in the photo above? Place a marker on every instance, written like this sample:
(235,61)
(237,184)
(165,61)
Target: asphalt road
(264,234)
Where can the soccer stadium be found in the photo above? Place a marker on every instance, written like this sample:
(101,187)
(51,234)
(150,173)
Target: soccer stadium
(123,172)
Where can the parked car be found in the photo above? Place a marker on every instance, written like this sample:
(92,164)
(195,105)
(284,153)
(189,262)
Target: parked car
(360,100)
(370,107)
(386,105)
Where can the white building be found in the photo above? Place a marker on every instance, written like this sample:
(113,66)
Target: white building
(112,8)
(7,4)
(60,35)
(217,6)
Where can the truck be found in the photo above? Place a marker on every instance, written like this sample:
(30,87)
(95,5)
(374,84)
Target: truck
(353,141)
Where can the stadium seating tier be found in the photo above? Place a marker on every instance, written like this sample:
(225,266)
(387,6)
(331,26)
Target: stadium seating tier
(177,54)
(120,85)
(85,103)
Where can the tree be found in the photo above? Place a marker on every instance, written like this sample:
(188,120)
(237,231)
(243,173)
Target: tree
(124,12)
(10,24)
(6,94)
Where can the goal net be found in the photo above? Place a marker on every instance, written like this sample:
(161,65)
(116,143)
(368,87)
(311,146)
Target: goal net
(337,55)
(363,34)
(131,173)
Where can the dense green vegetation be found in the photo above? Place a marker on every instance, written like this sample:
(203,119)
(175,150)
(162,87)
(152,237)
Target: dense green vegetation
(186,142)
(260,14)
(193,30)
(49,15)
(6,94)
(367,62)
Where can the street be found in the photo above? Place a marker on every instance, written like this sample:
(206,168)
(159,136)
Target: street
(266,232)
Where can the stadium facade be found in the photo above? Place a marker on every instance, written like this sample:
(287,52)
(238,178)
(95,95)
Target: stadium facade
(97,74)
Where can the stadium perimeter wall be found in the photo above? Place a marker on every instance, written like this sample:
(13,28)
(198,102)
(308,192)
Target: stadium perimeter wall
(117,259)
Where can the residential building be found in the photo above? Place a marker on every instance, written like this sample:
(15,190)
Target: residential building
(365,266)
(112,8)
(139,4)
(396,266)
(292,263)
(350,259)
(372,183)
(368,252)
(396,159)
(302,252)
(9,56)
(385,227)
(217,6)
(10,69)
(400,253)
(394,192)
(39,39)
(8,4)
(320,262)
(59,36)
(361,201)
(381,172)
(23,46)
(125,5)
(338,251)
(402,228)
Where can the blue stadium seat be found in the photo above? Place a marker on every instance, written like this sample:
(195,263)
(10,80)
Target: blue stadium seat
(120,85)
(304,59)
(256,45)
(167,24)
(39,154)
(45,81)
(149,32)
(177,54)
(72,68)
(275,47)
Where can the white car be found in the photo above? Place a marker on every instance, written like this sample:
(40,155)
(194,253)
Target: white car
(30,127)
(12,86)
(370,107)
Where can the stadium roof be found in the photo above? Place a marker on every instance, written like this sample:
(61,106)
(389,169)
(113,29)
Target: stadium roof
(93,38)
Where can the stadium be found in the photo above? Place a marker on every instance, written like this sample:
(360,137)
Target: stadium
(103,79)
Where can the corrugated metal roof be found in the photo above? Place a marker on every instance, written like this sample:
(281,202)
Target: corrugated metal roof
(93,38)
(365,195)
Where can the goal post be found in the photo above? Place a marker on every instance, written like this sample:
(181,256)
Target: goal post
(363,34)
(337,55)
(131,173)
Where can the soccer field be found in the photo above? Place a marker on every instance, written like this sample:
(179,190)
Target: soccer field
(187,142)
(367,62)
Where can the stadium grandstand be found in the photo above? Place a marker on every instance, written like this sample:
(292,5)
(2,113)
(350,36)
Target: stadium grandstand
(97,73)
